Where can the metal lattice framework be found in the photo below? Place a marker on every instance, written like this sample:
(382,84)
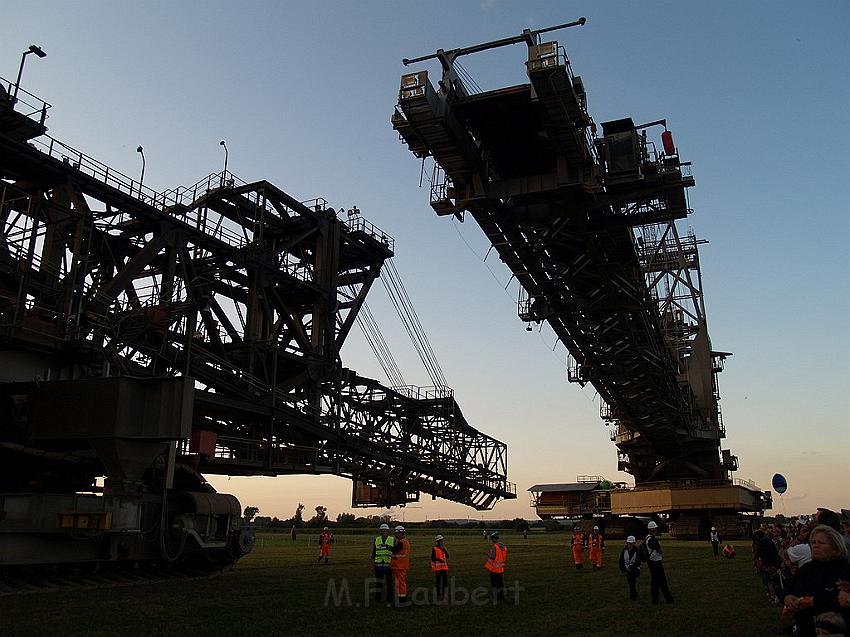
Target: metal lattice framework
(236,285)
(587,227)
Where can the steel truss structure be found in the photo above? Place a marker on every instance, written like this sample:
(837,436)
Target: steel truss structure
(237,286)
(586,225)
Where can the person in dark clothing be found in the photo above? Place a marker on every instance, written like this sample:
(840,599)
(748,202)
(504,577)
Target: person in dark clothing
(767,563)
(657,576)
(817,592)
(630,565)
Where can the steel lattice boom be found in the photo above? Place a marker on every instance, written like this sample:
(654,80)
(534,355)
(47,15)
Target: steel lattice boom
(586,225)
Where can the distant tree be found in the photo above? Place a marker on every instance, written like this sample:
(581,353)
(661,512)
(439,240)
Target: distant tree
(519,524)
(250,512)
(551,525)
(320,519)
(347,519)
(297,520)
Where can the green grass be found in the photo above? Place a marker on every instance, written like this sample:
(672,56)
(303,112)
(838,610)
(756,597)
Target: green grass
(279,589)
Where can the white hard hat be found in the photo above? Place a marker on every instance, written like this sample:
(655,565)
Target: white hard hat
(384,527)
(652,525)
(325,529)
(630,539)
(595,528)
(438,538)
(399,529)
(713,529)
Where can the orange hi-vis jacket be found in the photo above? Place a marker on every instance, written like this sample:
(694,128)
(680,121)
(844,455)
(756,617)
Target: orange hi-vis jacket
(497,564)
(439,564)
(596,542)
(325,538)
(401,561)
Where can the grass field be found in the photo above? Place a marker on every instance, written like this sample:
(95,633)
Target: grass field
(280,590)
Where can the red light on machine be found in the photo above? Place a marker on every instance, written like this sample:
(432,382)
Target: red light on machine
(667,140)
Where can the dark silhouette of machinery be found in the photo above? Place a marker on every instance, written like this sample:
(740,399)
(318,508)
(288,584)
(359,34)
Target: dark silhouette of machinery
(586,225)
(151,337)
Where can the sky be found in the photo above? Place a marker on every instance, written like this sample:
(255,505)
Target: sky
(755,94)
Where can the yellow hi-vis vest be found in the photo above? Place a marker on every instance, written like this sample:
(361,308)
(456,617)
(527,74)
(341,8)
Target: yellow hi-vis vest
(383,555)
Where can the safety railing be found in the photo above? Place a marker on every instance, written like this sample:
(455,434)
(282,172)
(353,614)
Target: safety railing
(359,224)
(92,167)
(424,393)
(30,106)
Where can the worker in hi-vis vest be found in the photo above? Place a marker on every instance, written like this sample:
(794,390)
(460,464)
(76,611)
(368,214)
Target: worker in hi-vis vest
(496,565)
(400,563)
(440,567)
(577,546)
(596,544)
(381,553)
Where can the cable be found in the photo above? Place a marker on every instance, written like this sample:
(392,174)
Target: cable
(401,301)
(369,326)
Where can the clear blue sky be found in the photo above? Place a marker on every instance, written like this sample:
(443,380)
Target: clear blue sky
(756,94)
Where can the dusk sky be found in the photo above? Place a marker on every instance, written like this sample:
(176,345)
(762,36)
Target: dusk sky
(755,93)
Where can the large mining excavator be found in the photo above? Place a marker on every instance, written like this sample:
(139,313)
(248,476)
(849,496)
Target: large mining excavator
(585,220)
(148,338)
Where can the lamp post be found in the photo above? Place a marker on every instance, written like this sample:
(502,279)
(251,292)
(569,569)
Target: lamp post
(33,49)
(141,151)
(224,174)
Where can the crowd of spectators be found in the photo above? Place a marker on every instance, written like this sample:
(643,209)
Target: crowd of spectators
(805,568)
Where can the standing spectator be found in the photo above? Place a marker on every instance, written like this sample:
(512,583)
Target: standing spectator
(292,533)
(657,576)
(715,541)
(577,545)
(767,563)
(440,567)
(845,524)
(381,553)
(596,544)
(496,558)
(817,589)
(630,565)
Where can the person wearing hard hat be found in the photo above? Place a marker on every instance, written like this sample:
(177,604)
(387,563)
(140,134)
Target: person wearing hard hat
(657,576)
(325,539)
(577,546)
(714,538)
(400,563)
(596,544)
(496,557)
(381,554)
(630,565)
(440,567)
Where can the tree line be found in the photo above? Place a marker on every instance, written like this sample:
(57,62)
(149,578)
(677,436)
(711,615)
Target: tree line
(349,520)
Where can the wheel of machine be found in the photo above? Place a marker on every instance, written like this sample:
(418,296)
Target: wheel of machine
(242,541)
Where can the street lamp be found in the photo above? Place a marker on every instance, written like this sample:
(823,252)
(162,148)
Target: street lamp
(224,175)
(141,151)
(33,49)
